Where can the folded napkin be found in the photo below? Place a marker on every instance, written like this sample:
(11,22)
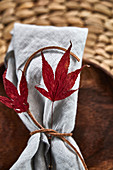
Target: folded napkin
(26,39)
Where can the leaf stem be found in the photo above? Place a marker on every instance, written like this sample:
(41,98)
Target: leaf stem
(52,116)
(50,140)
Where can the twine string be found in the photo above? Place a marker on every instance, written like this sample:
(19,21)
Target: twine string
(43,49)
(54,133)
(50,132)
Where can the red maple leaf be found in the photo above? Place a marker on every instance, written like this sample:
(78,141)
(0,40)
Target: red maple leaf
(59,87)
(16,101)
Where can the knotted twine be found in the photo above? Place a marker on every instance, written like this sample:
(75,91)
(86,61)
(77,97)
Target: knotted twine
(61,136)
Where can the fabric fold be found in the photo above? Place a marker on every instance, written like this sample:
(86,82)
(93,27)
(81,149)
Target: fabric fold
(26,39)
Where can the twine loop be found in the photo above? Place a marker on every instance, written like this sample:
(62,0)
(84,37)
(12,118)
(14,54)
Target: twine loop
(51,132)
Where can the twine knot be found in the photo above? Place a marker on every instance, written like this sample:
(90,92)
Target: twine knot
(51,132)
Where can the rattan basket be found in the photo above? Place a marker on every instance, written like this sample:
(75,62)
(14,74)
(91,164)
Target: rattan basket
(97,15)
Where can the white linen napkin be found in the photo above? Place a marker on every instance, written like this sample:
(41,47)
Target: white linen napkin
(26,39)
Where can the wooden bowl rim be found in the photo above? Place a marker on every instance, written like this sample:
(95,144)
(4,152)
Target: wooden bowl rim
(98,67)
(89,63)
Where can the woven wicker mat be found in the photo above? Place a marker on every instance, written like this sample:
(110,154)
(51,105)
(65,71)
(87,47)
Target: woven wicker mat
(97,15)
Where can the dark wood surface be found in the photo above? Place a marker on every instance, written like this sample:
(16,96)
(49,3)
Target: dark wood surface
(13,133)
(94,123)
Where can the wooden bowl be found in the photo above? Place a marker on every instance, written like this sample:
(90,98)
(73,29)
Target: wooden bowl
(94,123)
(13,133)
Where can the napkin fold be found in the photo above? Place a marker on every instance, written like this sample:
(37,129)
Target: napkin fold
(26,39)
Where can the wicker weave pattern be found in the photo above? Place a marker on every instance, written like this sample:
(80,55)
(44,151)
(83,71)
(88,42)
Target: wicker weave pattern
(97,15)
